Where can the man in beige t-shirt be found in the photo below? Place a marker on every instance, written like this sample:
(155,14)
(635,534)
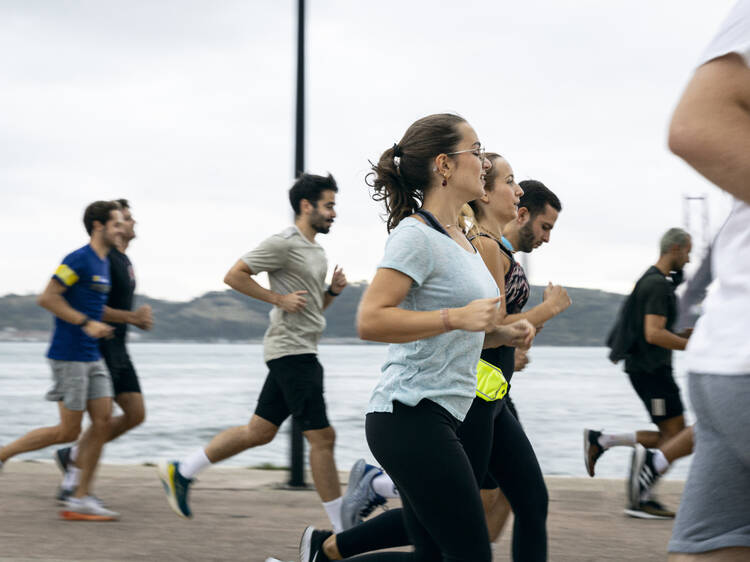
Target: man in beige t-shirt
(297,267)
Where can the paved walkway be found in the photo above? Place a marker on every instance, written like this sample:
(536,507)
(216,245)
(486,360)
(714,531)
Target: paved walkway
(240,515)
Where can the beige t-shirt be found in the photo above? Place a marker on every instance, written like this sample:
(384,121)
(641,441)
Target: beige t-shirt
(293,264)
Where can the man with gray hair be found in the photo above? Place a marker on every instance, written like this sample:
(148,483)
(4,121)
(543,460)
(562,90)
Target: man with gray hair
(643,337)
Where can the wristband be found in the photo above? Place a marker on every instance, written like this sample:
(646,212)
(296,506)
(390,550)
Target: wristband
(328,290)
(445,319)
(86,320)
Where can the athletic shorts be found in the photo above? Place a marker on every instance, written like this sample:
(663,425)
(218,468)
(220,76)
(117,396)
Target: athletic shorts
(659,393)
(74,383)
(124,377)
(715,508)
(294,386)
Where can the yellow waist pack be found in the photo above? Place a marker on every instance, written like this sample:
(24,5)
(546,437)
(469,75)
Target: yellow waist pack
(491,384)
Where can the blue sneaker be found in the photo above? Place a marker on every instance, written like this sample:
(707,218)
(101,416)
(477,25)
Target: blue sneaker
(360,499)
(62,459)
(176,486)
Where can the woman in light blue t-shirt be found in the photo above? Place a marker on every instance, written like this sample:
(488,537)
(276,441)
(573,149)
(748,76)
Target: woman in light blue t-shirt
(435,301)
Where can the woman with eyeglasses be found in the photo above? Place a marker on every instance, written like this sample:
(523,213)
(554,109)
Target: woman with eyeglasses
(435,301)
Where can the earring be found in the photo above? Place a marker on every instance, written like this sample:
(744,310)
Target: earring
(445,181)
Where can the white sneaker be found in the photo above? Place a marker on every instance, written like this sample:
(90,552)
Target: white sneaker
(87,508)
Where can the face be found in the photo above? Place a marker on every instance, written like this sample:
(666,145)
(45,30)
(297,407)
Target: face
(113,230)
(681,256)
(128,227)
(321,215)
(466,170)
(504,195)
(535,231)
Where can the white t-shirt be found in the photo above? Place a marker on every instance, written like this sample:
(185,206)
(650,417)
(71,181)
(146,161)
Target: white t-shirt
(721,342)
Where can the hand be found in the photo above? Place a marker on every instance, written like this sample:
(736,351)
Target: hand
(478,316)
(292,302)
(95,329)
(686,333)
(521,359)
(520,333)
(142,318)
(558,298)
(338,280)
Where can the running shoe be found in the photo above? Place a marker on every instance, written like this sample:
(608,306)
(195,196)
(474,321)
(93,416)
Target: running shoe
(592,450)
(176,486)
(650,509)
(62,459)
(642,475)
(360,499)
(311,542)
(87,508)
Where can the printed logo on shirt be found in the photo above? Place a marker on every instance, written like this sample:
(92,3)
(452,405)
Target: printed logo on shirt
(66,275)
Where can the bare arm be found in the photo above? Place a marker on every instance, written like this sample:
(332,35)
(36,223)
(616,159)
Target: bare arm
(141,317)
(710,128)
(52,300)
(498,266)
(338,284)
(556,300)
(380,319)
(656,333)
(240,278)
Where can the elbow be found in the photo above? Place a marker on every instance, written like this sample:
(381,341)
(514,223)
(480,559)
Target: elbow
(229,279)
(42,300)
(650,337)
(685,136)
(365,327)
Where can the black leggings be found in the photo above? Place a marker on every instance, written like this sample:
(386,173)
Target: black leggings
(442,512)
(512,462)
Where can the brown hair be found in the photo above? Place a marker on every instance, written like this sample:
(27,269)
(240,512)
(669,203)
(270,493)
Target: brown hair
(469,216)
(98,211)
(404,172)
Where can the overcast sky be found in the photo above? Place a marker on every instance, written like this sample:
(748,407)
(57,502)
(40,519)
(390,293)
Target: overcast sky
(186,109)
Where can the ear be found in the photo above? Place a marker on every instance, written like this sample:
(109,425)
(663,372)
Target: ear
(305,207)
(443,165)
(485,198)
(523,216)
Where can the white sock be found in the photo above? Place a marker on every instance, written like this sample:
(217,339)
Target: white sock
(74,452)
(608,440)
(661,464)
(383,485)
(333,509)
(72,478)
(194,463)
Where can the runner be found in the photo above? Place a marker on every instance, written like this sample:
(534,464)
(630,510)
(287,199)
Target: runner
(476,434)
(76,295)
(118,312)
(642,336)
(297,267)
(710,130)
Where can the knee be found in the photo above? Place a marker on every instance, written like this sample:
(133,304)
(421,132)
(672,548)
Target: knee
(67,434)
(255,437)
(136,418)
(322,439)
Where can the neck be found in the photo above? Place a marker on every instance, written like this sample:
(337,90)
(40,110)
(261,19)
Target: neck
(100,248)
(510,231)
(444,208)
(308,231)
(491,226)
(664,265)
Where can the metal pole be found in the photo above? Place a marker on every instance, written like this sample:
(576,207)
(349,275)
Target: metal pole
(297,453)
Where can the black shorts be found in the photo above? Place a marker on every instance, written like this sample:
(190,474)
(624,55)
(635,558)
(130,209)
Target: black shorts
(294,385)
(115,354)
(659,393)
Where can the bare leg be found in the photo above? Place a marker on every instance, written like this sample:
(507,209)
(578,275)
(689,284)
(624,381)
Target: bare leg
(100,410)
(322,465)
(679,446)
(735,554)
(134,412)
(670,428)
(647,438)
(65,432)
(331,549)
(234,440)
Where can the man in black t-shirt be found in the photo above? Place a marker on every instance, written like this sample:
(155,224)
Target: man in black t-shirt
(648,317)
(127,389)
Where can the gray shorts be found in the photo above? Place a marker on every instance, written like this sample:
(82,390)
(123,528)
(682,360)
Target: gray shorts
(715,508)
(76,382)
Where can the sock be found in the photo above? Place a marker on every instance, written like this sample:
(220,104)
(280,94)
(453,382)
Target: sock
(661,464)
(383,485)
(72,478)
(608,440)
(333,509)
(74,452)
(191,465)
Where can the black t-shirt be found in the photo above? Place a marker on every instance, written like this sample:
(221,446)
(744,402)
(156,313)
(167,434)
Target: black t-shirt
(653,295)
(123,288)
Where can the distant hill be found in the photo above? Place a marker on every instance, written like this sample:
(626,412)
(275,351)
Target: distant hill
(230,316)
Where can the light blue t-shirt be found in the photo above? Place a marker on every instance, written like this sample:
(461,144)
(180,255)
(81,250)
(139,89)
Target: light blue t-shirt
(442,368)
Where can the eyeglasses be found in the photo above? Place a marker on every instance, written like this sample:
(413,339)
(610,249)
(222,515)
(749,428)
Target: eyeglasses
(480,153)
